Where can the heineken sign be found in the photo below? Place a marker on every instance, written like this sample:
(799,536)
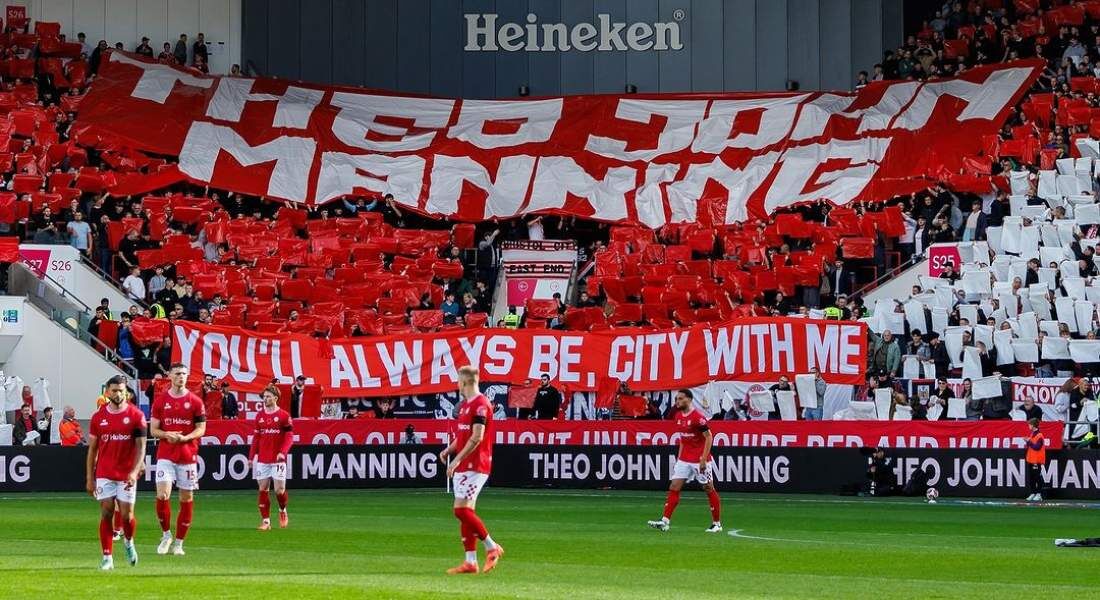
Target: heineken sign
(486,33)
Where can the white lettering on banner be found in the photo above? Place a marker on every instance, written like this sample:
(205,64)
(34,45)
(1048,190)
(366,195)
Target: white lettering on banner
(983,100)
(341,370)
(157,81)
(293,157)
(504,194)
(249,373)
(648,161)
(359,113)
(776,120)
(484,35)
(533,120)
(679,116)
(442,363)
(499,350)
(346,174)
(367,380)
(400,363)
(215,343)
(556,177)
(186,342)
(292,109)
(798,172)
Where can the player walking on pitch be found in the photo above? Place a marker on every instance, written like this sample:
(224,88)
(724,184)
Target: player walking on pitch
(472,450)
(178,421)
(270,445)
(116,452)
(693,462)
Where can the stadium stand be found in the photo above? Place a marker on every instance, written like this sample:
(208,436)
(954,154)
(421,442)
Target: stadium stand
(363,267)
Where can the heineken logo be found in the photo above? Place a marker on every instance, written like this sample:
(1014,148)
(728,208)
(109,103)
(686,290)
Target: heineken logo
(485,33)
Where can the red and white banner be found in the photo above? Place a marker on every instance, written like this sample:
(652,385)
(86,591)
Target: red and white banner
(753,349)
(796,434)
(640,158)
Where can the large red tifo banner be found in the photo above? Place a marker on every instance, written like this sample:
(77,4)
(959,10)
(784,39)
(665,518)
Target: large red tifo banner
(794,434)
(640,158)
(754,349)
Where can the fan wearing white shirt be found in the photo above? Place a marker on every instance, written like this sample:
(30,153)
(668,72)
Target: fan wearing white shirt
(134,285)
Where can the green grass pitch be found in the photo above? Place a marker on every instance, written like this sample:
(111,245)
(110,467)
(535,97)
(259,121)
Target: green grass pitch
(560,544)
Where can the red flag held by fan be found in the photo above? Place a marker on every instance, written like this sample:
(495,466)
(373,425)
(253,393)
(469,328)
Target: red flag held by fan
(522,396)
(631,405)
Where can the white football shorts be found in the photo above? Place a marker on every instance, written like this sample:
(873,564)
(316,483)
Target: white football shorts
(106,489)
(467,484)
(185,477)
(690,471)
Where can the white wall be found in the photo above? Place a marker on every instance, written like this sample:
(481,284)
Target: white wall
(75,371)
(900,287)
(127,21)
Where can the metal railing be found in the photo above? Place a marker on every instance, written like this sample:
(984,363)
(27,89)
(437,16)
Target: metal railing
(1072,426)
(110,280)
(890,273)
(65,309)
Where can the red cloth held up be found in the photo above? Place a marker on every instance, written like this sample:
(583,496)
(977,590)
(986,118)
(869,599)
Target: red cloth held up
(522,396)
(858,247)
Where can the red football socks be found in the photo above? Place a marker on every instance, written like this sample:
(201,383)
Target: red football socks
(468,517)
(106,535)
(118,520)
(715,506)
(129,527)
(469,541)
(282,499)
(671,502)
(183,521)
(264,502)
(164,514)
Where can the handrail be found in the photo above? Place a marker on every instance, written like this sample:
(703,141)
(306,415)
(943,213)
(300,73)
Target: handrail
(889,274)
(16,285)
(110,279)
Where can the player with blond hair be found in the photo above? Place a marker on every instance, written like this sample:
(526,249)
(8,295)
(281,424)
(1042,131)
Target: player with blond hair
(471,455)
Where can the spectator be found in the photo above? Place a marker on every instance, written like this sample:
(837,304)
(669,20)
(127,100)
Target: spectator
(69,428)
(48,234)
(166,57)
(45,425)
(296,396)
(157,283)
(820,387)
(125,340)
(784,385)
(547,401)
(134,285)
(198,51)
(80,233)
(511,320)
(451,309)
(181,50)
(1031,410)
(410,435)
(1078,396)
(383,408)
(144,48)
(23,431)
(229,403)
(885,354)
(938,354)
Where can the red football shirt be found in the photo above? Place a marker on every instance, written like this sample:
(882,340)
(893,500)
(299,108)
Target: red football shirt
(116,432)
(273,435)
(180,415)
(691,427)
(476,410)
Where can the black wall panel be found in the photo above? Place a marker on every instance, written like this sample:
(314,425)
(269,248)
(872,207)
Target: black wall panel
(418,45)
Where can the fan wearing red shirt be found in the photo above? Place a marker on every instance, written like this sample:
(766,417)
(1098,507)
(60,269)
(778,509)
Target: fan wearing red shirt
(270,445)
(116,453)
(472,452)
(178,421)
(692,463)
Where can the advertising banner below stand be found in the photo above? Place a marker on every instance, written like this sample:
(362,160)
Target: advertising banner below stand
(967,473)
(792,434)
